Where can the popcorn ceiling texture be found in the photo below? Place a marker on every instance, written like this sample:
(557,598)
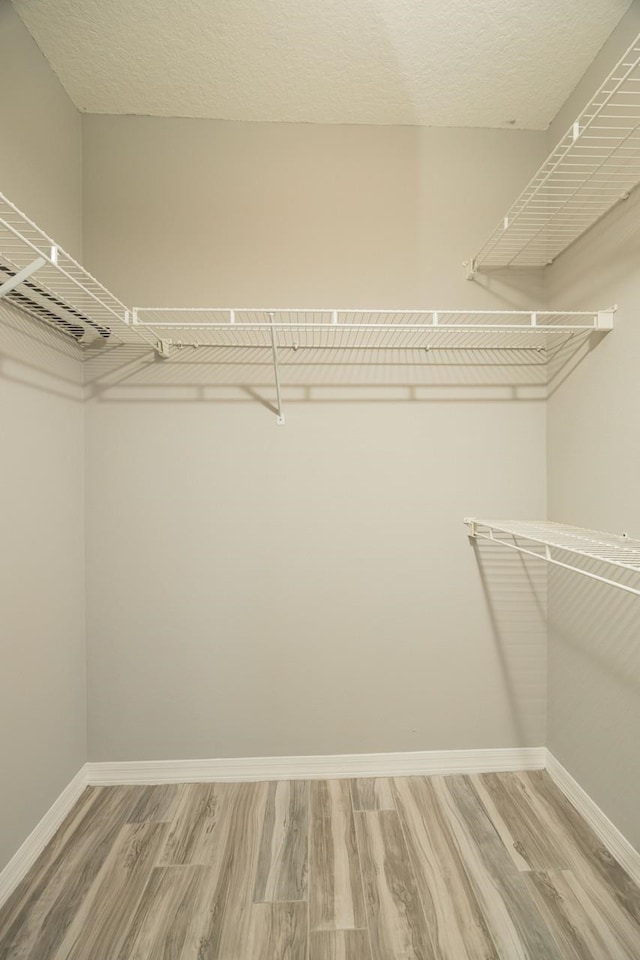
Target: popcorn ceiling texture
(483,63)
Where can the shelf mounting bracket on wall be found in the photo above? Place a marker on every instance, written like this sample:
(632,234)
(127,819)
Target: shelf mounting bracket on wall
(21,276)
(274,351)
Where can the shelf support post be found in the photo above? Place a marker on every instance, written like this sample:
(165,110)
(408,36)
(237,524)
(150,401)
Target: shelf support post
(274,351)
(21,276)
(469,269)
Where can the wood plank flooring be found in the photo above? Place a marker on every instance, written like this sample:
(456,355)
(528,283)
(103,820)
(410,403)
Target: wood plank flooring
(488,867)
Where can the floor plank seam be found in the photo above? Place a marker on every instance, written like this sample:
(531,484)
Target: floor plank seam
(362,886)
(480,866)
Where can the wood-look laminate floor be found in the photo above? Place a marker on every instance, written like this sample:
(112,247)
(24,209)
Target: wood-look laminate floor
(441,868)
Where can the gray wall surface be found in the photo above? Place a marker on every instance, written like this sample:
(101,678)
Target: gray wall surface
(42,642)
(594,464)
(306,589)
(41,137)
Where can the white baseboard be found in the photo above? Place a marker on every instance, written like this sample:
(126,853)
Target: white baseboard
(425,763)
(618,845)
(39,837)
(419,763)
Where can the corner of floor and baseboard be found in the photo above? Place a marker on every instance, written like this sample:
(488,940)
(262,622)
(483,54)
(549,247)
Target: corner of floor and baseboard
(420,763)
(28,852)
(606,831)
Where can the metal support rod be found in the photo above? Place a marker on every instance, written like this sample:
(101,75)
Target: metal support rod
(271,311)
(21,276)
(436,327)
(274,351)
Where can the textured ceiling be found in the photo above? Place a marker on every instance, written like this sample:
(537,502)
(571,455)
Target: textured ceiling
(481,63)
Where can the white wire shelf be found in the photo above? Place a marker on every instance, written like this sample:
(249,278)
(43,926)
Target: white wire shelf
(367,329)
(593,167)
(38,277)
(43,281)
(488,336)
(550,539)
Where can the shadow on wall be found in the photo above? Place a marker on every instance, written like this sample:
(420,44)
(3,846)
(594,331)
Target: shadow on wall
(603,259)
(189,371)
(568,355)
(245,374)
(594,690)
(515,591)
(34,355)
(514,288)
(599,623)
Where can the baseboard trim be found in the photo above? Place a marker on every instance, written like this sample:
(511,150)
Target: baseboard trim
(416,763)
(26,855)
(617,844)
(425,763)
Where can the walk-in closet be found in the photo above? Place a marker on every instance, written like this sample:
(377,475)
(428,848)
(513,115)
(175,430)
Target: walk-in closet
(320,447)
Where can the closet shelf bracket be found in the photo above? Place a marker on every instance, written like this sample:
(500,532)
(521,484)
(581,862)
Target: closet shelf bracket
(469,269)
(274,352)
(21,276)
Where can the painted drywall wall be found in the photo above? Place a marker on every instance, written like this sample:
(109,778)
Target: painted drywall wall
(594,459)
(41,138)
(306,589)
(42,652)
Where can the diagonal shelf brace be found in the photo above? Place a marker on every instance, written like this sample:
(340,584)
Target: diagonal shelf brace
(21,276)
(274,351)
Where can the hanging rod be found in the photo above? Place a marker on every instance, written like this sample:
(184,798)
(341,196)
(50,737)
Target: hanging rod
(595,166)
(620,552)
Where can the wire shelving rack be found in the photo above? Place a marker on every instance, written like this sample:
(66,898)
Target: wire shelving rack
(42,280)
(561,545)
(593,167)
(39,278)
(304,332)
(469,330)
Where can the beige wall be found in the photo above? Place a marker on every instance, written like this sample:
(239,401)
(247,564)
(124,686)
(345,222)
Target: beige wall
(40,137)
(594,464)
(307,589)
(196,212)
(42,653)
(594,459)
